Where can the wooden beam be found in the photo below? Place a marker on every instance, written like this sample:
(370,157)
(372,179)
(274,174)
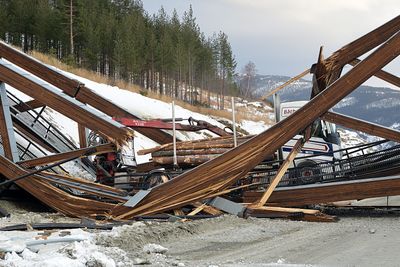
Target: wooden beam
(281,172)
(197,210)
(60,103)
(28,105)
(82,136)
(76,89)
(5,140)
(57,157)
(290,213)
(208,209)
(383,75)
(6,127)
(298,196)
(363,44)
(363,126)
(291,80)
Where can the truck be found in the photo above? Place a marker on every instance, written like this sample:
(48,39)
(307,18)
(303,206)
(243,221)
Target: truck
(322,146)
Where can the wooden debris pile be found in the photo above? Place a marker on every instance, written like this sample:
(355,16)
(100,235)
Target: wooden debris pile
(200,186)
(193,153)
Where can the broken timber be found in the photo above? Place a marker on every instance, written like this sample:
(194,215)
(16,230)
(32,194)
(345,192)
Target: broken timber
(75,89)
(223,171)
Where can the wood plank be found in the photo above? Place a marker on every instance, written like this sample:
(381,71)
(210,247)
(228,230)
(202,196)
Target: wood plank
(82,136)
(298,196)
(363,126)
(290,213)
(4,134)
(291,80)
(60,156)
(281,172)
(208,209)
(197,210)
(28,105)
(383,75)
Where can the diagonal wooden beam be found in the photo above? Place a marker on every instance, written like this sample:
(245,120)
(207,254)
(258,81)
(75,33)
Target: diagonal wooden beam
(63,104)
(4,133)
(291,80)
(363,126)
(384,75)
(281,172)
(76,89)
(28,105)
(364,44)
(60,156)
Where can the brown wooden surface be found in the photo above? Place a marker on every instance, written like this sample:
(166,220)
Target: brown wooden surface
(52,196)
(290,213)
(386,76)
(298,196)
(363,126)
(28,105)
(4,134)
(82,136)
(60,156)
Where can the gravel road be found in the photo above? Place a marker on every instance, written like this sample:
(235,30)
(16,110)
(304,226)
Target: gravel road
(364,238)
(262,242)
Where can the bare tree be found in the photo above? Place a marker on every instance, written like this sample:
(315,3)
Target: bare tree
(249,72)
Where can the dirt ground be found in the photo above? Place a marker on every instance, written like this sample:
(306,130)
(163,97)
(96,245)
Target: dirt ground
(363,238)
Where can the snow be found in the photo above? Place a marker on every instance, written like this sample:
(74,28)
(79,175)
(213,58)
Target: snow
(348,101)
(254,127)
(21,254)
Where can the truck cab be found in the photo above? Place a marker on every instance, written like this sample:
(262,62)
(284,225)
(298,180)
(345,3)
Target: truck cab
(324,141)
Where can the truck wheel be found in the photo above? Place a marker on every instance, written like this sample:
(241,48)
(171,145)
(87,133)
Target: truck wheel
(308,173)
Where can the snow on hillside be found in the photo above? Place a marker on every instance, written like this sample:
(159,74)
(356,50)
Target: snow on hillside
(139,105)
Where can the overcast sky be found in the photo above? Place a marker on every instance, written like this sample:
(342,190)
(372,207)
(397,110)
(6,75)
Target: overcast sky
(283,36)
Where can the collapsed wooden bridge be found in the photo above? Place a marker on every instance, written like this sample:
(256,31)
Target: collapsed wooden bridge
(50,88)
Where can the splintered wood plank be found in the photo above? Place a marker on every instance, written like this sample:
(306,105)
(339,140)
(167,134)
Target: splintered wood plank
(197,210)
(208,209)
(60,156)
(282,170)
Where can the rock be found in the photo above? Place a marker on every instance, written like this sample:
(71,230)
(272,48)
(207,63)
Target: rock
(181,264)
(140,261)
(154,248)
(372,231)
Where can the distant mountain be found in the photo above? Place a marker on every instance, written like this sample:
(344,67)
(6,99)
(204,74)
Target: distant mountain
(374,104)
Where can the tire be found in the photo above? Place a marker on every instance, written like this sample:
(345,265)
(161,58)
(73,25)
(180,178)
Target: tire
(308,173)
